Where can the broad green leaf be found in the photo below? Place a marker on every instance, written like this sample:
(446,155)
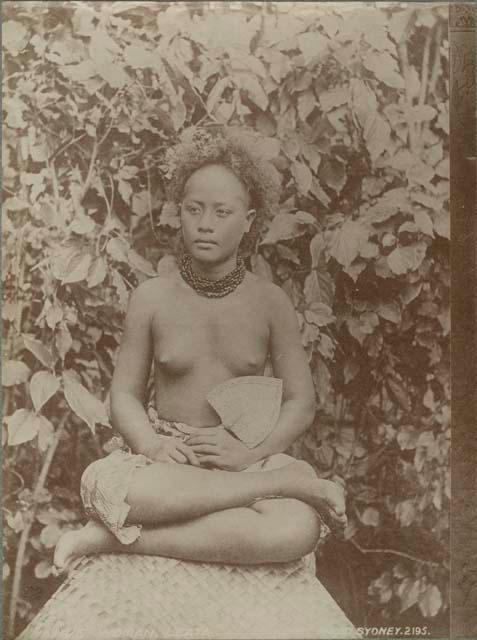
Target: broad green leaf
(317,247)
(138,57)
(39,350)
(14,36)
(14,372)
(22,426)
(16,522)
(423,223)
(420,173)
(46,432)
(117,249)
(63,340)
(260,267)
(79,72)
(319,287)
(254,89)
(313,45)
(287,254)
(408,591)
(125,190)
(170,216)
(430,602)
(390,311)
(443,168)
(320,314)
(442,224)
(388,205)
(370,517)
(43,569)
(399,393)
(306,103)
(216,92)
(284,226)
(312,156)
(121,289)
(322,380)
(404,259)
(345,242)
(43,386)
(97,272)
(355,269)
(407,437)
(334,98)
(291,146)
(303,176)
(113,73)
(140,264)
(406,512)
(140,203)
(83,403)
(359,328)
(333,174)
(77,269)
(83,21)
(53,315)
(269,148)
(385,68)
(326,346)
(50,535)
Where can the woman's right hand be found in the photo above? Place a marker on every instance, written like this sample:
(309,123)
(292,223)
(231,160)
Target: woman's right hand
(170,449)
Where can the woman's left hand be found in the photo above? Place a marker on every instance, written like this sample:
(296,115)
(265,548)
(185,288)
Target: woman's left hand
(216,447)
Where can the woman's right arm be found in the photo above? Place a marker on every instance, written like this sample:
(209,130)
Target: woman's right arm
(133,365)
(129,384)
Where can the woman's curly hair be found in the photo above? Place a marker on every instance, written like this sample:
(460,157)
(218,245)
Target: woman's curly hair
(203,146)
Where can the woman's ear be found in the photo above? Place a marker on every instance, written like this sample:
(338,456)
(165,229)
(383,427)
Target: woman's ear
(251,215)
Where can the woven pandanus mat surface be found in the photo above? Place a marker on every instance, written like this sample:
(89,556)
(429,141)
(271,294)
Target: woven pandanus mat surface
(126,597)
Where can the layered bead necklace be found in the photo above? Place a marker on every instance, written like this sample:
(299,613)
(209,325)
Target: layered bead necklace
(212,288)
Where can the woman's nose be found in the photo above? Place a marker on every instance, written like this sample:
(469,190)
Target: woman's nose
(206,221)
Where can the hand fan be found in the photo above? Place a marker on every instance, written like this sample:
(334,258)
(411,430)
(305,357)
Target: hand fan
(248,406)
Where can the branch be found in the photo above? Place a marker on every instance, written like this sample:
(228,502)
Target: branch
(404,60)
(393,552)
(65,146)
(17,576)
(149,203)
(89,177)
(437,59)
(425,68)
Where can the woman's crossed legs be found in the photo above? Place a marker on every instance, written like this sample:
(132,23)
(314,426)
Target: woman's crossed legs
(202,515)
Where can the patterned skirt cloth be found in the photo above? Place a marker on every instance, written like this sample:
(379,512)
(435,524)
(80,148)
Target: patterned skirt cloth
(105,482)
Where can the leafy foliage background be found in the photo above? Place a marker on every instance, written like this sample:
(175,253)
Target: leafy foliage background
(351,106)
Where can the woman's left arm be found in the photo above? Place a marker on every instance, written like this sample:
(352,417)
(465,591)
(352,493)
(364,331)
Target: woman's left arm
(289,363)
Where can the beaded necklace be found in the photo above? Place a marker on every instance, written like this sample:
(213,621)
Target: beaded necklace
(212,288)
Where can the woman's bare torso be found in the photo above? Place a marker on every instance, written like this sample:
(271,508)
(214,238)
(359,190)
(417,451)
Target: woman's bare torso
(200,342)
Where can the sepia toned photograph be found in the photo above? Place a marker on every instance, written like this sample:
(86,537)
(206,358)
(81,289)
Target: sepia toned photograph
(226,377)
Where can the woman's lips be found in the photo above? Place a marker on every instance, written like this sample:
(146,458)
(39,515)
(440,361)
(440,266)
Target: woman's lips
(207,243)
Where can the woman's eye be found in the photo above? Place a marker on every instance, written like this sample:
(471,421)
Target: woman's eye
(223,212)
(192,209)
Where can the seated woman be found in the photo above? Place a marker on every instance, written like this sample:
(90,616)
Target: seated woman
(179,489)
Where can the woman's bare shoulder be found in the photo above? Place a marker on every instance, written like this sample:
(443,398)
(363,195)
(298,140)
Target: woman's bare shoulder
(270,294)
(154,290)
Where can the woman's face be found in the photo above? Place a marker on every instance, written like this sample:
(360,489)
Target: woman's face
(215,214)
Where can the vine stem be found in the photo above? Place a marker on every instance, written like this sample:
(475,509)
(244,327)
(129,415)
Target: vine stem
(393,552)
(17,575)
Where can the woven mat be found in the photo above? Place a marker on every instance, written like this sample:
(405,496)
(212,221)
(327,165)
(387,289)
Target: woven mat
(126,597)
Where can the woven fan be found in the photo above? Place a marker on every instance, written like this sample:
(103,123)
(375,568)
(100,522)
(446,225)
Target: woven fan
(248,406)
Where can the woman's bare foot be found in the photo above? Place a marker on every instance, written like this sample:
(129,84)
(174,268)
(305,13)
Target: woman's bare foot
(92,538)
(327,497)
